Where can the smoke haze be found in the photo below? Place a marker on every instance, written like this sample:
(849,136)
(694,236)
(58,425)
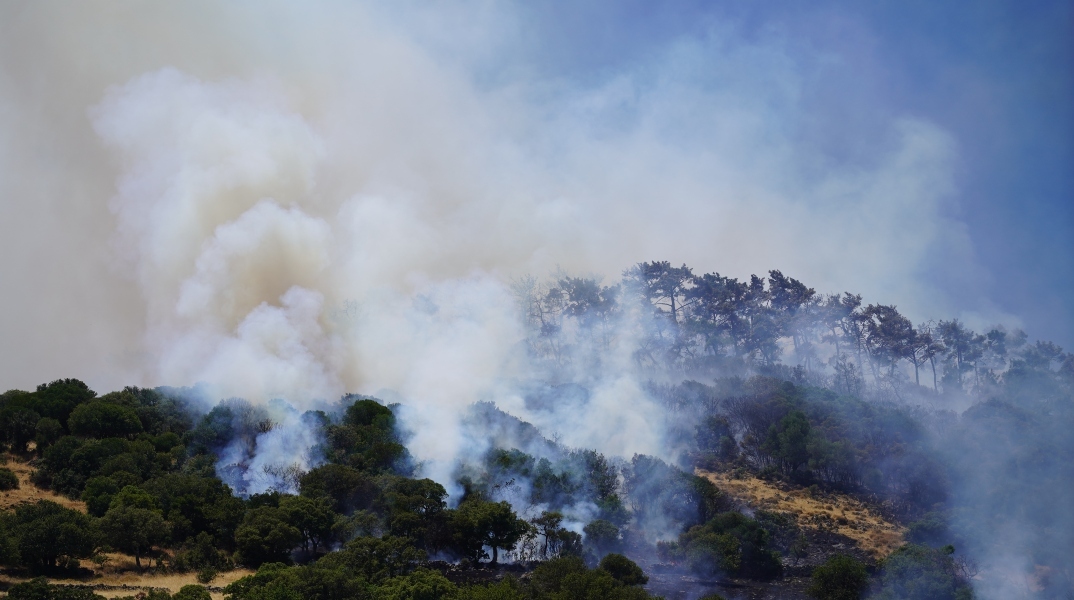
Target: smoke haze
(183,168)
(297,202)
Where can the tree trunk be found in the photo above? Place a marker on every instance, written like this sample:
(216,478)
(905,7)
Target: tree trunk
(495,555)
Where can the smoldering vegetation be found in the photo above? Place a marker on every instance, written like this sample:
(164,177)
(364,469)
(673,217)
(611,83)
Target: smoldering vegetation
(962,435)
(764,378)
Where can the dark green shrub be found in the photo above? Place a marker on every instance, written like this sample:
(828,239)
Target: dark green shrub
(624,570)
(41,589)
(731,543)
(918,573)
(103,419)
(842,577)
(8,480)
(602,536)
(192,592)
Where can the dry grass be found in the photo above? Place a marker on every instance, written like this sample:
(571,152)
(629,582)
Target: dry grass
(120,578)
(28,492)
(119,570)
(833,512)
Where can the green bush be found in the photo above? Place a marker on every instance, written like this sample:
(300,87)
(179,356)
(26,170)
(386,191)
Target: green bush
(602,536)
(192,592)
(41,589)
(842,577)
(8,480)
(916,572)
(103,419)
(731,543)
(624,570)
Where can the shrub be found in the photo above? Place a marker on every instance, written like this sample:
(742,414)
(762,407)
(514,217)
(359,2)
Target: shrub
(103,420)
(8,480)
(192,592)
(207,575)
(41,589)
(602,536)
(623,569)
(730,542)
(842,577)
(916,572)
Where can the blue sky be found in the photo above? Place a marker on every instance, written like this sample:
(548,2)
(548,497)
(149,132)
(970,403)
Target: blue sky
(997,75)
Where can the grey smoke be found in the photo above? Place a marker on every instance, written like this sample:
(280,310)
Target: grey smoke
(296,202)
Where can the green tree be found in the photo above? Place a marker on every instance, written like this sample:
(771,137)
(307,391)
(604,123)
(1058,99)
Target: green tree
(9,547)
(18,427)
(103,419)
(841,577)
(349,488)
(132,529)
(41,589)
(58,398)
(200,553)
(569,578)
(889,335)
(49,534)
(416,509)
(317,581)
(733,543)
(8,479)
(46,432)
(193,503)
(548,526)
(714,438)
(192,592)
(492,524)
(507,588)
(602,536)
(547,578)
(376,559)
(788,441)
(918,573)
(266,536)
(98,494)
(623,569)
(313,517)
(134,497)
(422,584)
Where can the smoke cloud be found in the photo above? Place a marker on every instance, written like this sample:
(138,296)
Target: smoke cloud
(286,202)
(358,152)
(298,204)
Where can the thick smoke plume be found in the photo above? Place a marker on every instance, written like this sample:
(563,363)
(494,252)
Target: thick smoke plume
(294,203)
(395,160)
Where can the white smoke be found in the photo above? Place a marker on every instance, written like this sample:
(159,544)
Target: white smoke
(214,209)
(328,200)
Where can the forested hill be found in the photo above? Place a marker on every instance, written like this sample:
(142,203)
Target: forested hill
(709,325)
(962,438)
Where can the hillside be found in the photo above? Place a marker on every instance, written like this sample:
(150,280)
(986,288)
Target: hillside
(27,491)
(113,577)
(828,512)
